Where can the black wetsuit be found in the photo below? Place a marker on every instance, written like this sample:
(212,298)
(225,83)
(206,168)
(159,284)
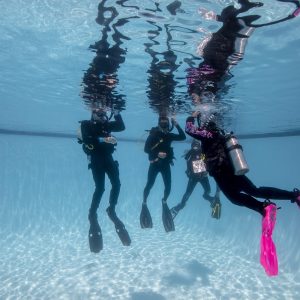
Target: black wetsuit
(194,178)
(102,161)
(156,142)
(238,189)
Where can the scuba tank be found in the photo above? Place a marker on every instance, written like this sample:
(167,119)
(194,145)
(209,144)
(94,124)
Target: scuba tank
(235,152)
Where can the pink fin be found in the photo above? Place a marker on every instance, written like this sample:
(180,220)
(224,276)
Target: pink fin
(268,256)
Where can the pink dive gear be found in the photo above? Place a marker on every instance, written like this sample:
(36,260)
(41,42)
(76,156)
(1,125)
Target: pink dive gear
(296,13)
(268,256)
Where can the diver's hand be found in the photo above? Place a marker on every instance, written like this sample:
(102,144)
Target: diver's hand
(173,121)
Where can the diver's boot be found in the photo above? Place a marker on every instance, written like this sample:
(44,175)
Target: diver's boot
(145,217)
(95,234)
(120,227)
(167,217)
(297,197)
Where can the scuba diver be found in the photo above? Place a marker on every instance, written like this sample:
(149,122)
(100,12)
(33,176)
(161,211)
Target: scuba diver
(225,48)
(233,183)
(98,143)
(226,164)
(160,153)
(197,173)
(100,94)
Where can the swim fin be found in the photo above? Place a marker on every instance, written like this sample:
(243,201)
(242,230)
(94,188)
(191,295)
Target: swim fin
(167,218)
(216,205)
(120,227)
(145,217)
(95,237)
(216,208)
(123,234)
(268,255)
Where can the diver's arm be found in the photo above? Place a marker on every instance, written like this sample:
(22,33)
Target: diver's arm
(199,133)
(117,124)
(180,136)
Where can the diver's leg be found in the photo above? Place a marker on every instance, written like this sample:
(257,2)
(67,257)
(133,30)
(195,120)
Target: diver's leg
(188,192)
(99,179)
(207,189)
(152,174)
(95,235)
(248,187)
(166,214)
(112,170)
(228,185)
(166,175)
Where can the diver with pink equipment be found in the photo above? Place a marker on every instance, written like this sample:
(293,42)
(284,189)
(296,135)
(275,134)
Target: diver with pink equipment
(225,162)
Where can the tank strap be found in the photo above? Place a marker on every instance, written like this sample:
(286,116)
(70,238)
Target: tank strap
(234,147)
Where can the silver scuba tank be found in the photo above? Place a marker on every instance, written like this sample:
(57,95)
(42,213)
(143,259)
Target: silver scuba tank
(235,152)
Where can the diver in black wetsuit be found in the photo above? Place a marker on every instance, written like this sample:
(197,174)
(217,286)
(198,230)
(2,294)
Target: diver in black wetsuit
(160,153)
(237,188)
(99,144)
(100,93)
(196,172)
(225,48)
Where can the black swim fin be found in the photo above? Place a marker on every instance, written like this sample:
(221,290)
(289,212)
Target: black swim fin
(167,218)
(123,234)
(145,217)
(120,227)
(95,237)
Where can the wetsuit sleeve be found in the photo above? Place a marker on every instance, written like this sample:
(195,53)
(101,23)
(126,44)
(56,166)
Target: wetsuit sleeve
(199,133)
(178,137)
(117,124)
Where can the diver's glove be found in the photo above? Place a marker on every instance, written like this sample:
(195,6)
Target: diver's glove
(174,122)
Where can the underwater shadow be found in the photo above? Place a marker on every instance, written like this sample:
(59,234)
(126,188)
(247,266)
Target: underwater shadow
(146,296)
(189,274)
